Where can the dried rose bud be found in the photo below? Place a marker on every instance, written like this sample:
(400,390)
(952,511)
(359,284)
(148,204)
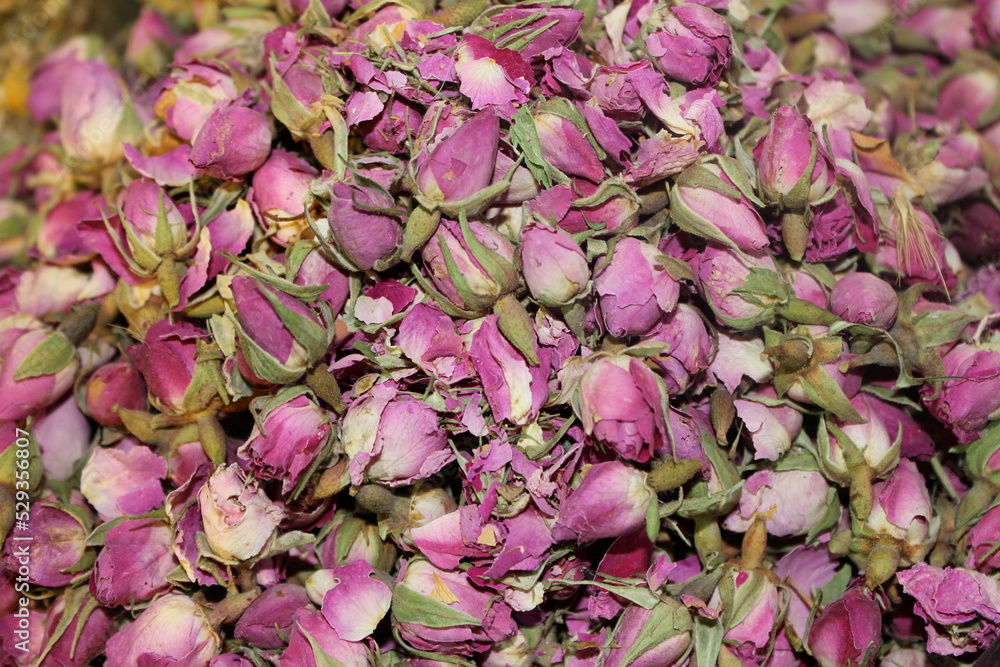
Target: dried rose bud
(555,268)
(471,268)
(37,366)
(281,336)
(287,441)
(134,563)
(794,502)
(863,298)
(124,480)
(621,401)
(792,169)
(966,402)
(634,288)
(665,632)
(57,535)
(611,500)
(689,42)
(278,195)
(234,141)
(239,518)
(362,224)
(268,619)
(173,628)
(848,632)
(118,384)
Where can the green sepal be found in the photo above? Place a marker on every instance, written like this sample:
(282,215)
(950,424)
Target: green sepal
(611,188)
(146,259)
(52,355)
(980,451)
(99,534)
(312,336)
(409,606)
(667,619)
(301,292)
(821,389)
(524,137)
(286,107)
(558,106)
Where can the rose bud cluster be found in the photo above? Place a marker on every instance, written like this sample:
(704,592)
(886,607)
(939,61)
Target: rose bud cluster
(580,334)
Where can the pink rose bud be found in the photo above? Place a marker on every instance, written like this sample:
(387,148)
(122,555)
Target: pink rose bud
(612,206)
(362,225)
(352,539)
(134,564)
(239,518)
(832,230)
(690,350)
(427,336)
(970,95)
(971,398)
(278,195)
(982,541)
(471,271)
(621,401)
(268,621)
(723,280)
(848,632)
(772,428)
(287,440)
(394,441)
(424,587)
(94,127)
(555,268)
(634,288)
(124,480)
(961,608)
(689,43)
(57,542)
(615,91)
(902,511)
(82,640)
(793,171)
(233,141)
(192,92)
(515,390)
(167,359)
(173,629)
(863,298)
(281,336)
(871,438)
(665,632)
(704,201)
(564,145)
(794,502)
(118,384)
(611,501)
(762,605)
(37,366)
(460,165)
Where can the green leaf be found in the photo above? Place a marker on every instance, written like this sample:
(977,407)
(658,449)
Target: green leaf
(53,354)
(409,606)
